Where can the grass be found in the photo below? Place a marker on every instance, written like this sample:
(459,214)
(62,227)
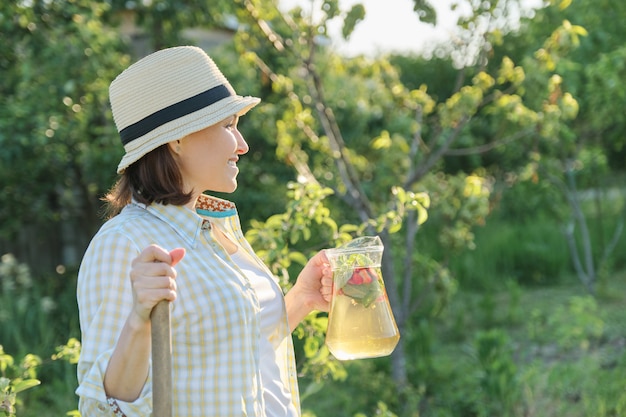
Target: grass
(560,366)
(566,352)
(575,372)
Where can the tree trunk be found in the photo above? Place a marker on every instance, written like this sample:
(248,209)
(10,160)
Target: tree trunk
(398,357)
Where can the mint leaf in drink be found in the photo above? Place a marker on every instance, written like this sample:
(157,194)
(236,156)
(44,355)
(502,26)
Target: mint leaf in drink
(363,286)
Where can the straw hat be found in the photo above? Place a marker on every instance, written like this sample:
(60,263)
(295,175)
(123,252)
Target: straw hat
(168,95)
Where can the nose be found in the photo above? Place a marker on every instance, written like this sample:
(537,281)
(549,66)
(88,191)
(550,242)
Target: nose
(242,145)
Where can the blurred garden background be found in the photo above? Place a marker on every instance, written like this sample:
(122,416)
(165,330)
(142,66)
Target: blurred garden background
(491,164)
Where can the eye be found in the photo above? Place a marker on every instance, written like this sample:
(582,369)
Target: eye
(232,123)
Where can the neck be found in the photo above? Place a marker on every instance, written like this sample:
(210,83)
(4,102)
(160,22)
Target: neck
(191,205)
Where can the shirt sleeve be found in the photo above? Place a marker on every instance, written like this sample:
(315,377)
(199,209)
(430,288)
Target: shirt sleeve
(104,298)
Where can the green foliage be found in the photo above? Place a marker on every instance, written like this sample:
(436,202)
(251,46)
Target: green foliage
(69,352)
(591,38)
(498,377)
(530,253)
(304,224)
(560,43)
(605,77)
(523,238)
(460,203)
(578,385)
(15,378)
(381,410)
(36,315)
(353,17)
(167,20)
(496,371)
(425,11)
(314,358)
(365,144)
(305,221)
(35,312)
(577,324)
(58,145)
(25,313)
(366,391)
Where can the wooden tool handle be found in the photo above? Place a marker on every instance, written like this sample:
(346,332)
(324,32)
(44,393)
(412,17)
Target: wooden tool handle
(161,360)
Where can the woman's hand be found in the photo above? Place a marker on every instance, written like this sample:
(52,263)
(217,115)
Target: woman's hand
(315,283)
(312,290)
(153,278)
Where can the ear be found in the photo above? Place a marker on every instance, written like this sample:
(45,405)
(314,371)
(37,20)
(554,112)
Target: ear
(174,146)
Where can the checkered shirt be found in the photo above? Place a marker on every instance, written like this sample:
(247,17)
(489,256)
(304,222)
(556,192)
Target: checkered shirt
(214,320)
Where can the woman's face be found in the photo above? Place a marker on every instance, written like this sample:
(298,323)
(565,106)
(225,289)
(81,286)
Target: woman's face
(208,158)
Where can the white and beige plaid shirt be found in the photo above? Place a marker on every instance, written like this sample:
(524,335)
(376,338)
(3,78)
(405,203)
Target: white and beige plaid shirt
(215,318)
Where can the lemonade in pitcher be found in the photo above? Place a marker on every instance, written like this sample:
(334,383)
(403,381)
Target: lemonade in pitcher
(360,321)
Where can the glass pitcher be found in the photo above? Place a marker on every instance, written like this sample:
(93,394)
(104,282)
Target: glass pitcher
(360,321)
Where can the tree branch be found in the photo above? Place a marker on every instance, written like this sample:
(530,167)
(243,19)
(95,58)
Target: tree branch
(355,196)
(435,156)
(580,219)
(489,146)
(355,193)
(407,279)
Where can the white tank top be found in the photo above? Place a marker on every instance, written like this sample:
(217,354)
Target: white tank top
(276,396)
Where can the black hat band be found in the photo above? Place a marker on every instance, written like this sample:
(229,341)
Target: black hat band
(173,112)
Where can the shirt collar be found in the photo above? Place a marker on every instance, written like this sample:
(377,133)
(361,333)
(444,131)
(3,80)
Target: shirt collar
(188,223)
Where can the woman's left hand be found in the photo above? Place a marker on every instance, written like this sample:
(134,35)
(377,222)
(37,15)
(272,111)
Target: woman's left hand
(316,282)
(312,290)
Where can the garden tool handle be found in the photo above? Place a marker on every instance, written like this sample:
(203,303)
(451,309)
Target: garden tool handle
(161,360)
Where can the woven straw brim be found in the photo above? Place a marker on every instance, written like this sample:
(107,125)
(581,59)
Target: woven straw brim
(186,125)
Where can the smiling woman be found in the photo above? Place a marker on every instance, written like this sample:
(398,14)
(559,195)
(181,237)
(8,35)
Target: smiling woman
(231,350)
(208,158)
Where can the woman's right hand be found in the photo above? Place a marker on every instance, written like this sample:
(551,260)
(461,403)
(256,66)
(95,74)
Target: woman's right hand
(153,278)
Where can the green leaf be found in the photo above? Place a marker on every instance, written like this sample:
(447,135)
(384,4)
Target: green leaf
(383,141)
(320,323)
(298,257)
(395,227)
(348,228)
(311,346)
(294,236)
(364,294)
(5,362)
(425,11)
(331,7)
(354,16)
(422,214)
(564,4)
(25,384)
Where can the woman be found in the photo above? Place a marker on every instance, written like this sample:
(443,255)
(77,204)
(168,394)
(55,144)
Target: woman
(232,352)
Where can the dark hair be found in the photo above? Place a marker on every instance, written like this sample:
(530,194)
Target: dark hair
(155,177)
